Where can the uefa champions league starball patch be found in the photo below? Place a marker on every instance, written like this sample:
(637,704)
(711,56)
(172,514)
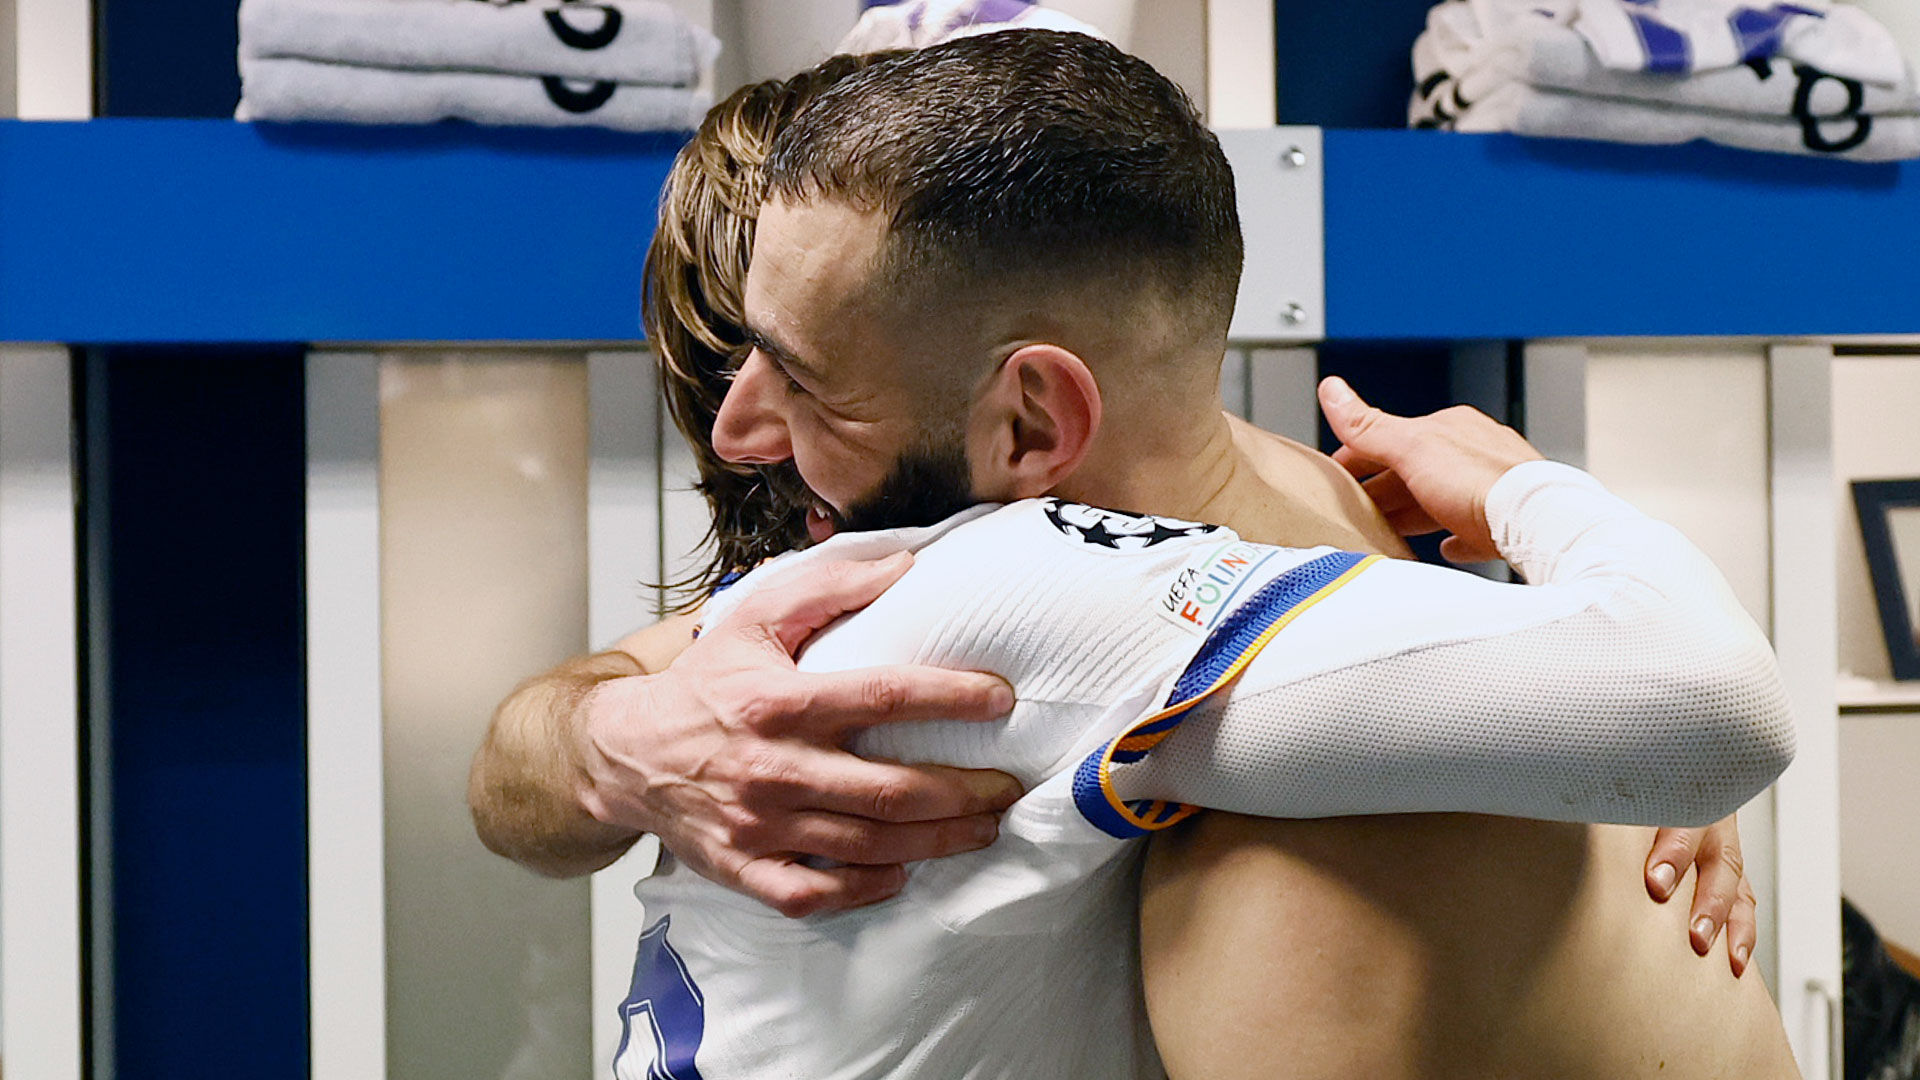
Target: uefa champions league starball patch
(1116,531)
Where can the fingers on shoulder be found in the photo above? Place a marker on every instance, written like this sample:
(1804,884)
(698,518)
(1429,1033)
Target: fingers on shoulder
(800,604)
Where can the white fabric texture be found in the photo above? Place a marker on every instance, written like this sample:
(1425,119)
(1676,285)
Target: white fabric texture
(1526,110)
(1902,20)
(1689,36)
(1093,616)
(1547,54)
(916,24)
(301,90)
(645,42)
(1483,66)
(1634,678)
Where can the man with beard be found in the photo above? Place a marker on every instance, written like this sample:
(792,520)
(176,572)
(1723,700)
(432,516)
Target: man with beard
(1091,382)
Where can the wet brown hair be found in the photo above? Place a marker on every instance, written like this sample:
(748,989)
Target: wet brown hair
(693,310)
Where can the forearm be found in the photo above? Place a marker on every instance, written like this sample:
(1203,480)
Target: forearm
(1438,731)
(1627,687)
(526,778)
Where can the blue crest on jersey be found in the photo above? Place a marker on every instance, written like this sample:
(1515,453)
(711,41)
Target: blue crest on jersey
(664,1016)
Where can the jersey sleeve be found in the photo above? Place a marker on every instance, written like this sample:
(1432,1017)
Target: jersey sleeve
(1625,685)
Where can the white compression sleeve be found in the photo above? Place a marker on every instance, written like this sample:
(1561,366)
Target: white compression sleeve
(1626,685)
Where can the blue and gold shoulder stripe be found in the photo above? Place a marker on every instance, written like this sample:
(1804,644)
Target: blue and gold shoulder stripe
(1222,657)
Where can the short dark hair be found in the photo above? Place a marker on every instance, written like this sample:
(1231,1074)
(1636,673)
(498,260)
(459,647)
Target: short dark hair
(1029,156)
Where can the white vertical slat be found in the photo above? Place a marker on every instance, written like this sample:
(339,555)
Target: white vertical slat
(48,72)
(1680,429)
(1805,626)
(1554,389)
(9,58)
(345,807)
(53,59)
(1280,392)
(623,500)
(623,559)
(1242,90)
(40,955)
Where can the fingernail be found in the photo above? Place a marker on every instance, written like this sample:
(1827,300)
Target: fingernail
(1740,954)
(996,788)
(985,831)
(1663,877)
(1703,928)
(1336,390)
(1000,699)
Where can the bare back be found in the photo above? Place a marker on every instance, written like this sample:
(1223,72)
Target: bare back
(1431,946)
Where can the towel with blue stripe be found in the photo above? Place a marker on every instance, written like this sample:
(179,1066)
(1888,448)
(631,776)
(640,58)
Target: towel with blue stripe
(1809,77)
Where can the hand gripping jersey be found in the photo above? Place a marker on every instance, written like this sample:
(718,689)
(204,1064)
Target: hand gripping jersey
(1162,666)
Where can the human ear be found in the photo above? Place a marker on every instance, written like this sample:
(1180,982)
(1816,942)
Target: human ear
(1034,423)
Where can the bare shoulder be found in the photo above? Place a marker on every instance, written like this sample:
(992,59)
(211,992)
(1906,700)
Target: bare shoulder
(1324,503)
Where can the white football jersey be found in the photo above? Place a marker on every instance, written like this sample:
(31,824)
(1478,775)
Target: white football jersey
(1119,634)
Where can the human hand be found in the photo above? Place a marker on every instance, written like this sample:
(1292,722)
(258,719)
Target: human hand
(734,758)
(1426,473)
(1722,895)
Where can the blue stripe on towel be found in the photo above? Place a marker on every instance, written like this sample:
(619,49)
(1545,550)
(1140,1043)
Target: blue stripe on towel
(1668,51)
(1761,33)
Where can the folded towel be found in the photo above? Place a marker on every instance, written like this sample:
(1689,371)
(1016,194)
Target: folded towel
(284,89)
(644,42)
(1766,86)
(1546,53)
(916,24)
(1902,20)
(1680,37)
(1528,110)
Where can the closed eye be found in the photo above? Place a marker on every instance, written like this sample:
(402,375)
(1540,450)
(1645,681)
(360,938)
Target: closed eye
(788,384)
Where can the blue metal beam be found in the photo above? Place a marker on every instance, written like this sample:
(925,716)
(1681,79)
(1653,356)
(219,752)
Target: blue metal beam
(118,231)
(1439,236)
(212,231)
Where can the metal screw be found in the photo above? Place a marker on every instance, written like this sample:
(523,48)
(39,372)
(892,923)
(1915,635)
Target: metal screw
(1294,157)
(1293,314)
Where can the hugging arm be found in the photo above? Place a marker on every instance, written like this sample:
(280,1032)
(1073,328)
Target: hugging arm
(733,757)
(1626,686)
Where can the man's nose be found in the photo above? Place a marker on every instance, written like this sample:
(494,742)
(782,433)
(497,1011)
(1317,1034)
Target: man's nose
(750,428)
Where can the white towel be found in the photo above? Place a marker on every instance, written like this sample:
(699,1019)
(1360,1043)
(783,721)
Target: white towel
(1528,110)
(629,41)
(1768,86)
(1902,20)
(1545,53)
(287,90)
(916,24)
(1679,37)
